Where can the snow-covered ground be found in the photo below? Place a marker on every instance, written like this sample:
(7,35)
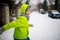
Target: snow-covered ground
(44,28)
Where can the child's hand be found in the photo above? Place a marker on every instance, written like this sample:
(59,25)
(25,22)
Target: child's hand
(1,30)
(31,25)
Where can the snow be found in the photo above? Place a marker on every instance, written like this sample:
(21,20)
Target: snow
(44,28)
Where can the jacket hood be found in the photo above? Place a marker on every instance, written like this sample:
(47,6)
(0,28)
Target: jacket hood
(23,8)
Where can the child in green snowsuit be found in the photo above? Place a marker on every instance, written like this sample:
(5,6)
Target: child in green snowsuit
(21,24)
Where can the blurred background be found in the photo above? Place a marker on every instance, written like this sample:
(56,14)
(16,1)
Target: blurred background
(44,27)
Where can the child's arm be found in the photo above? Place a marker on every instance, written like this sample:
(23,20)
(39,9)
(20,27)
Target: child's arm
(22,22)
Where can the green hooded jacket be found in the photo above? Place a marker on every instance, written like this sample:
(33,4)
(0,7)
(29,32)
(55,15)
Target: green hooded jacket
(21,25)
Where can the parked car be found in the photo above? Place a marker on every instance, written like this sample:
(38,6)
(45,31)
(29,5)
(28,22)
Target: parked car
(42,11)
(54,14)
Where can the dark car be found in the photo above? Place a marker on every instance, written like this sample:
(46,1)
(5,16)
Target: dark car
(54,14)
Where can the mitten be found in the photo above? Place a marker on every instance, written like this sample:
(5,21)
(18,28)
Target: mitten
(31,25)
(1,30)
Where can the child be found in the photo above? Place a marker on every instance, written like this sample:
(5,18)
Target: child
(21,24)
